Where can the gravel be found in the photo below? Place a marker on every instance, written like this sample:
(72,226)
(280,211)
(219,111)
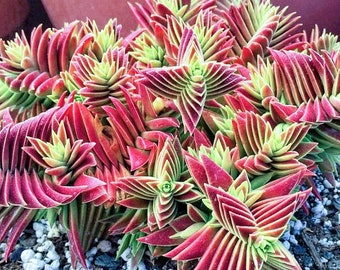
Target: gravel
(314,240)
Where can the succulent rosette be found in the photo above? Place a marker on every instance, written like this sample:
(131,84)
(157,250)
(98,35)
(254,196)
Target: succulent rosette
(162,191)
(195,137)
(192,81)
(246,223)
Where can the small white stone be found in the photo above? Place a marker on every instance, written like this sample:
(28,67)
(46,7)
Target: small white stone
(55,265)
(88,263)
(42,239)
(39,233)
(323,242)
(141,266)
(2,247)
(53,232)
(67,254)
(126,254)
(104,246)
(47,267)
(26,255)
(337,184)
(320,188)
(38,263)
(293,240)
(286,244)
(328,224)
(45,246)
(39,229)
(30,266)
(38,256)
(318,209)
(286,235)
(53,255)
(38,226)
(317,220)
(324,212)
(298,226)
(93,251)
(327,184)
(324,260)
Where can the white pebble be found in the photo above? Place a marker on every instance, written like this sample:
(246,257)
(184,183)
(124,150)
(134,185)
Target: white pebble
(324,260)
(39,233)
(328,224)
(53,255)
(53,232)
(45,246)
(104,246)
(320,188)
(93,251)
(316,220)
(55,265)
(286,235)
(34,264)
(26,255)
(337,184)
(324,212)
(37,226)
(39,229)
(2,248)
(323,242)
(90,259)
(141,266)
(67,254)
(41,239)
(293,240)
(38,256)
(88,263)
(30,266)
(318,208)
(298,226)
(327,184)
(126,254)
(286,244)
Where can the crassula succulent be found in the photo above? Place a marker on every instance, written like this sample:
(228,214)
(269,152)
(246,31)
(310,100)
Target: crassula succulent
(196,136)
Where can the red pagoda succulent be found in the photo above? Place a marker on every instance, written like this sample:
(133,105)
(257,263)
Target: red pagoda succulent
(192,81)
(195,136)
(163,188)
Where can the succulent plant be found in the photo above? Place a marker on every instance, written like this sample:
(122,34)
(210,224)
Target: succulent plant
(163,188)
(192,81)
(195,137)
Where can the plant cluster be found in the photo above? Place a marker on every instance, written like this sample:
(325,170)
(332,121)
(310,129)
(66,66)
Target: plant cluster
(195,137)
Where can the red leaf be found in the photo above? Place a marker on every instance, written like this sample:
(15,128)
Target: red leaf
(195,246)
(197,171)
(282,186)
(137,157)
(21,223)
(217,176)
(161,237)
(134,203)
